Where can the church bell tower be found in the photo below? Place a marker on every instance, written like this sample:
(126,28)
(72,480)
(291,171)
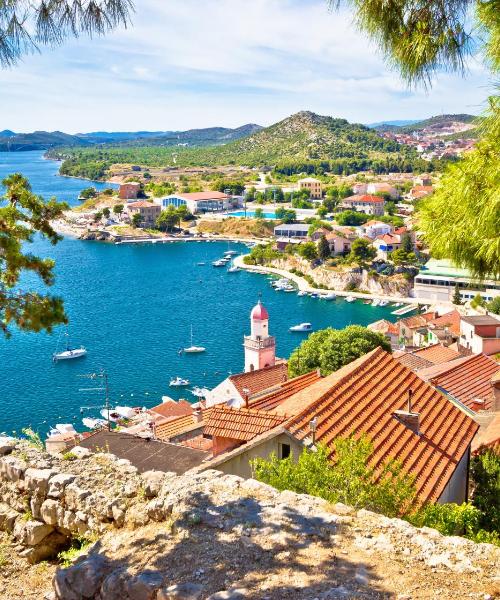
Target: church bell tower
(260,347)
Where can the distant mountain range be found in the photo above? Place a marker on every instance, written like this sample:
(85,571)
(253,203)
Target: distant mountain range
(439,121)
(45,140)
(399,123)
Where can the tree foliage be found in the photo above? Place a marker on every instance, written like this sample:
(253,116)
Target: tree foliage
(351,217)
(330,349)
(362,251)
(23,216)
(342,476)
(24,26)
(323,248)
(308,250)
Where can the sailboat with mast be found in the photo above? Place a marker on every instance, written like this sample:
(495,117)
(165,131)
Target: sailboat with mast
(69,352)
(192,349)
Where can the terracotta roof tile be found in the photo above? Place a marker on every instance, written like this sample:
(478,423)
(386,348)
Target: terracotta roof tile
(450,320)
(384,326)
(171,408)
(262,379)
(362,398)
(469,381)
(416,321)
(287,389)
(240,423)
(426,357)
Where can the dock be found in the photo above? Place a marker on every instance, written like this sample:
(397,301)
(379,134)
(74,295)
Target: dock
(405,309)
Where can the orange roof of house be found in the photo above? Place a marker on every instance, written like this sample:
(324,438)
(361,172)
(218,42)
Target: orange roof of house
(416,321)
(426,357)
(389,238)
(450,320)
(422,188)
(384,326)
(142,204)
(169,429)
(240,423)
(369,198)
(362,398)
(287,389)
(171,408)
(470,380)
(488,437)
(259,380)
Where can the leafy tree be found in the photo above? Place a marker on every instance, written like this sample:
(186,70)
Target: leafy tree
(286,215)
(136,219)
(87,193)
(308,250)
(261,255)
(406,243)
(323,248)
(351,217)
(344,475)
(329,349)
(478,300)
(361,251)
(400,257)
(24,26)
(236,187)
(259,213)
(97,216)
(108,191)
(494,305)
(390,208)
(485,470)
(167,219)
(322,211)
(457,298)
(21,218)
(118,209)
(106,212)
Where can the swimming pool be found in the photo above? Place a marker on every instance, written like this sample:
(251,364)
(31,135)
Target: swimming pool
(251,213)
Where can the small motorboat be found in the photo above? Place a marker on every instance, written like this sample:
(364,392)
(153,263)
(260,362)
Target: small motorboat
(233,269)
(303,327)
(94,423)
(199,392)
(329,296)
(110,415)
(350,299)
(178,382)
(230,253)
(302,293)
(367,302)
(383,303)
(219,263)
(201,264)
(125,411)
(167,399)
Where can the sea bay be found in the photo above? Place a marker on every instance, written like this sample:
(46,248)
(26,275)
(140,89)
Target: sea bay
(132,307)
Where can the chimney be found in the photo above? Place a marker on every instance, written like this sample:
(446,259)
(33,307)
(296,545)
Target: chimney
(408,417)
(197,415)
(246,393)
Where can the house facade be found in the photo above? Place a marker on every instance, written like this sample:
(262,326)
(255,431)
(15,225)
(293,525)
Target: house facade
(313,187)
(198,202)
(129,191)
(480,334)
(365,203)
(148,210)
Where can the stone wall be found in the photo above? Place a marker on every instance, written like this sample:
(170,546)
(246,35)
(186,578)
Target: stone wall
(210,536)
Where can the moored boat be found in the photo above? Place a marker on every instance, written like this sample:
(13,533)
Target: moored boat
(302,327)
(179,382)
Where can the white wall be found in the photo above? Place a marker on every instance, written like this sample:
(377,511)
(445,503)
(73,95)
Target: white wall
(456,489)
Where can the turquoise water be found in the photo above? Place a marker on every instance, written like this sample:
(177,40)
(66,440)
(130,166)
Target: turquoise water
(132,307)
(251,213)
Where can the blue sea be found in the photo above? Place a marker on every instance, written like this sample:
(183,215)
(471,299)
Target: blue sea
(132,307)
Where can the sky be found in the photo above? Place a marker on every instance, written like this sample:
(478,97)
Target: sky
(201,63)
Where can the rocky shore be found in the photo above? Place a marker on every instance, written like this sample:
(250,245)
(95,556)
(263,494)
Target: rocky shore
(205,535)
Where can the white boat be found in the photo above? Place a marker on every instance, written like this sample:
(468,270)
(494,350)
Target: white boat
(65,428)
(125,411)
(230,253)
(167,399)
(200,392)
(178,382)
(233,268)
(70,352)
(302,293)
(350,299)
(303,327)
(110,415)
(329,296)
(201,264)
(93,423)
(194,349)
(375,302)
(383,303)
(218,263)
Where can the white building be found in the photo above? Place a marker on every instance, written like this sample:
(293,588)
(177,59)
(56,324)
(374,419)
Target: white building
(436,282)
(373,229)
(260,347)
(198,202)
(375,188)
(480,334)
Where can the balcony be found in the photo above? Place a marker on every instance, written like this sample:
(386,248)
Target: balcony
(268,342)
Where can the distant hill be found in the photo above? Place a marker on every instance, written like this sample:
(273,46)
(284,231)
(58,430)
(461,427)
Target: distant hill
(434,123)
(45,140)
(384,124)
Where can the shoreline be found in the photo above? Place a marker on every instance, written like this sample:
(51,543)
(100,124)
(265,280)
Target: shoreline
(303,285)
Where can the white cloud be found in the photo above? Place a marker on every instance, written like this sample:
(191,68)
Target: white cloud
(186,63)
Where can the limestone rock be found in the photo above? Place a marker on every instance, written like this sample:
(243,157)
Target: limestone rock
(236,594)
(155,510)
(75,496)
(51,512)
(153,481)
(181,591)
(7,444)
(58,483)
(137,516)
(31,533)
(83,579)
(8,517)
(37,480)
(12,468)
(144,586)
(81,452)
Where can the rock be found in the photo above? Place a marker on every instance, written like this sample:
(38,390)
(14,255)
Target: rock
(12,468)
(81,452)
(115,584)
(31,533)
(36,505)
(137,516)
(72,523)
(51,512)
(118,515)
(49,548)
(153,481)
(236,594)
(180,591)
(7,444)
(75,496)
(8,517)
(58,483)
(144,586)
(37,480)
(156,510)
(83,579)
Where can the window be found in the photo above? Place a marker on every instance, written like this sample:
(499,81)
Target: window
(284,451)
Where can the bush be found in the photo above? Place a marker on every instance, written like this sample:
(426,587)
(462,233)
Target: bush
(448,519)
(494,305)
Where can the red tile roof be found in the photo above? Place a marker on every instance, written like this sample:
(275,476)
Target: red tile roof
(362,398)
(426,357)
(489,437)
(197,196)
(368,198)
(286,390)
(450,320)
(171,408)
(142,204)
(416,321)
(384,326)
(240,423)
(469,381)
(261,379)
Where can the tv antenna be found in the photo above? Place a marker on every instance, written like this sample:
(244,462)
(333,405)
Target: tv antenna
(103,387)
